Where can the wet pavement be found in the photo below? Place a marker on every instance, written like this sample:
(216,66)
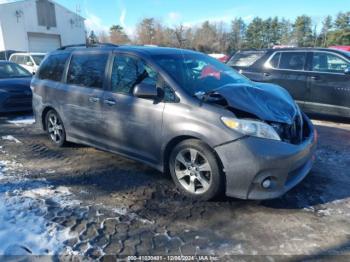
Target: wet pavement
(83,201)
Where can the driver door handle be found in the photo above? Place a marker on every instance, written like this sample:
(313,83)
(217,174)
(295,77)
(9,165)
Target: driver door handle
(267,74)
(314,77)
(94,99)
(110,102)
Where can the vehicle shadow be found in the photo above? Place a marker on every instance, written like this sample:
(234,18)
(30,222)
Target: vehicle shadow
(329,180)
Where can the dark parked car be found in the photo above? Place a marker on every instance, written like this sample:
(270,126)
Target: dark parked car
(318,79)
(179,111)
(15,93)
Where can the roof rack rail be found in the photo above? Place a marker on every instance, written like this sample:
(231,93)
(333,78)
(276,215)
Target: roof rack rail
(87,46)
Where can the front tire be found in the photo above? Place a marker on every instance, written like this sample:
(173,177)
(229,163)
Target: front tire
(195,170)
(55,128)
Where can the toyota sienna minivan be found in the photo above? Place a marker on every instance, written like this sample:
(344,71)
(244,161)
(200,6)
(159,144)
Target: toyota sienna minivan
(178,111)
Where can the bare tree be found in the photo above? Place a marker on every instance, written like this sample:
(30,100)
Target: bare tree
(180,35)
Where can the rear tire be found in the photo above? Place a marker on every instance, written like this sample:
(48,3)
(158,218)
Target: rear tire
(195,170)
(55,128)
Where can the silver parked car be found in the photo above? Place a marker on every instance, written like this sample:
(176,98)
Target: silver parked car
(178,111)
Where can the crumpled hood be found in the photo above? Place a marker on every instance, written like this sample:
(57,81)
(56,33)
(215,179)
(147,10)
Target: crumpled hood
(267,101)
(15,84)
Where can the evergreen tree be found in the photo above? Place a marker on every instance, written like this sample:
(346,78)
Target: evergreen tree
(302,31)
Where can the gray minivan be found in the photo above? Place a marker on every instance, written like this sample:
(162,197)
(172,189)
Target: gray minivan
(178,111)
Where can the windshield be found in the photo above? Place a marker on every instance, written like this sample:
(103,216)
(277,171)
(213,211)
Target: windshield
(38,58)
(8,70)
(198,73)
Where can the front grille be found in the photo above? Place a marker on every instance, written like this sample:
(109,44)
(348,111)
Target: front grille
(293,133)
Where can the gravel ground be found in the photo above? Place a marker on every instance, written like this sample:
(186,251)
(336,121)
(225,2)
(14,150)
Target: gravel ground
(81,201)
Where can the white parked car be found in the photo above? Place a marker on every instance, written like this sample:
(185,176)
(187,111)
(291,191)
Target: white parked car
(29,61)
(221,57)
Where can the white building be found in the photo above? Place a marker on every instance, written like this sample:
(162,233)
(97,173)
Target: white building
(39,26)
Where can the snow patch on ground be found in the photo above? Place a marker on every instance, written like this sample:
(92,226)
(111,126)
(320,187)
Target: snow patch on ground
(29,120)
(24,227)
(11,138)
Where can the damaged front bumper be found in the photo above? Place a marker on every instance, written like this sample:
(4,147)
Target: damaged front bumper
(250,161)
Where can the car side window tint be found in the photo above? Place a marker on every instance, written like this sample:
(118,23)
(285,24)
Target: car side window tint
(2,56)
(129,71)
(87,70)
(292,60)
(326,62)
(52,67)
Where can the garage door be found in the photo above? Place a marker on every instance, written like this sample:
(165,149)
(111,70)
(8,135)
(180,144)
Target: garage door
(43,43)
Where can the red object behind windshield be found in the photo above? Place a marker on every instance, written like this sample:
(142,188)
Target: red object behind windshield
(210,71)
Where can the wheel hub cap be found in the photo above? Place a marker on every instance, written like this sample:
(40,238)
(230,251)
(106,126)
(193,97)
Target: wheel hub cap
(193,171)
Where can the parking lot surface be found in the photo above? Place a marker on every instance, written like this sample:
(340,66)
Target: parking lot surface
(81,201)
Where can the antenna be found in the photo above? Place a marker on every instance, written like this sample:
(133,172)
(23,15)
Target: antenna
(78,20)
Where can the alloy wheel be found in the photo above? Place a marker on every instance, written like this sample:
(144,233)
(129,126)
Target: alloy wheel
(55,128)
(193,171)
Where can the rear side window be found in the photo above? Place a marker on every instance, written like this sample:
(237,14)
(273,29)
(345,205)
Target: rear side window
(20,60)
(87,70)
(292,60)
(2,56)
(275,61)
(52,67)
(245,59)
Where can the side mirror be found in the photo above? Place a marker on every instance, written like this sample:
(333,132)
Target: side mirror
(347,71)
(145,91)
(29,64)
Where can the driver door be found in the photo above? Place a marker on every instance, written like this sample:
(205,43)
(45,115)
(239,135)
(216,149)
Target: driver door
(134,125)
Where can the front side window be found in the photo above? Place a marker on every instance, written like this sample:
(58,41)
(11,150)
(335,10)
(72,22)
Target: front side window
(292,60)
(129,71)
(26,60)
(38,59)
(245,59)
(326,62)
(197,73)
(87,70)
(52,67)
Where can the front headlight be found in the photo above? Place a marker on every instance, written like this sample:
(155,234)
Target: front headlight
(251,128)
